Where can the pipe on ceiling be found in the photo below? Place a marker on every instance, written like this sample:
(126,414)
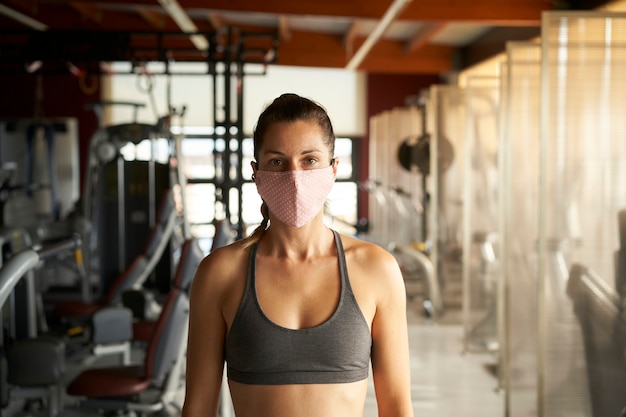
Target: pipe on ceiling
(22,18)
(392,12)
(185,24)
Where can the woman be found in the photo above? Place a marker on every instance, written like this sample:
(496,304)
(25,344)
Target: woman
(296,310)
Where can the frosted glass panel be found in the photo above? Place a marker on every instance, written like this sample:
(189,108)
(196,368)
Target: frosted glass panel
(448,110)
(584,182)
(520,224)
(395,193)
(481,237)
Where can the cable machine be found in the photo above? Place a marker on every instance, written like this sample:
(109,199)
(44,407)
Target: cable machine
(227,59)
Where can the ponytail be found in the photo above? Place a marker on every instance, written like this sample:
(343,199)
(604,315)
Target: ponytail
(258,232)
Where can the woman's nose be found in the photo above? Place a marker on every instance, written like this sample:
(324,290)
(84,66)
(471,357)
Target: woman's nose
(292,165)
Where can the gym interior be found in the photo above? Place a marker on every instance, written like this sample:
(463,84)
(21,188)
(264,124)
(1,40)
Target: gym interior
(484,147)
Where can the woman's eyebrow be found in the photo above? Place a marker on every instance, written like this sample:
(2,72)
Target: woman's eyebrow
(279,153)
(308,151)
(271,152)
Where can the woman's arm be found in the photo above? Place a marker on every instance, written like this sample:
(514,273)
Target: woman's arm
(207,329)
(390,344)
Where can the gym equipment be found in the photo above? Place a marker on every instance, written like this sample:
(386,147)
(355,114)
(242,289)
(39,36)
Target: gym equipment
(135,275)
(45,154)
(143,303)
(598,309)
(414,156)
(224,234)
(143,326)
(433,303)
(128,388)
(36,363)
(130,168)
(414,153)
(620,256)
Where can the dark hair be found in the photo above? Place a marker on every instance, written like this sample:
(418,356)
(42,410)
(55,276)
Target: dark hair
(292,108)
(287,108)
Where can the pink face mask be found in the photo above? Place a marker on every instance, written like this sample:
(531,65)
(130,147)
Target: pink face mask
(295,197)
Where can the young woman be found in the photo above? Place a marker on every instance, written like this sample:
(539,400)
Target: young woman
(296,311)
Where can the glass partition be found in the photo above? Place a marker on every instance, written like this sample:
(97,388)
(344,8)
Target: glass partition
(519,176)
(480,215)
(447,111)
(397,199)
(582,199)
(395,186)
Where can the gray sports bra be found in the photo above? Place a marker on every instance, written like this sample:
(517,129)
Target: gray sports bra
(261,352)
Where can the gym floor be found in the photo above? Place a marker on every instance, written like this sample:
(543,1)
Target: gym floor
(446,382)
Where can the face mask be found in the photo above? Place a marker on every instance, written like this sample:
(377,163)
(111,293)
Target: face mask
(295,197)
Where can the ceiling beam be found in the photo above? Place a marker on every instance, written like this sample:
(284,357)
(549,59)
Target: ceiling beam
(327,51)
(87,11)
(489,12)
(284,32)
(28,6)
(216,20)
(352,33)
(217,24)
(154,19)
(423,36)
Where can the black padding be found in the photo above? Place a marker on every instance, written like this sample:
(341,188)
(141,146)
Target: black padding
(36,362)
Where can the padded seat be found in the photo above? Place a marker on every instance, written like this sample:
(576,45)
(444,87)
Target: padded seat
(110,382)
(77,308)
(142,330)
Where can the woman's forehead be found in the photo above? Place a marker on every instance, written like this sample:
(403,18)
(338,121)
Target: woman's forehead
(294,136)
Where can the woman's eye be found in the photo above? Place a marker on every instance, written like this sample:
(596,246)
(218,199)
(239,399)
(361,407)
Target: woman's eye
(311,161)
(276,162)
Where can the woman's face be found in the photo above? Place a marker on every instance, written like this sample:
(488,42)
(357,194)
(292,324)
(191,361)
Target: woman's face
(290,146)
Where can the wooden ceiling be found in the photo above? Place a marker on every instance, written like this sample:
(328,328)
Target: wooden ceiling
(425,37)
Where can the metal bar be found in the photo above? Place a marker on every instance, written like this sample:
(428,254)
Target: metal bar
(391,13)
(14,269)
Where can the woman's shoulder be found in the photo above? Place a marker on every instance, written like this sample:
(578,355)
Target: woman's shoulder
(373,270)
(366,252)
(369,260)
(222,266)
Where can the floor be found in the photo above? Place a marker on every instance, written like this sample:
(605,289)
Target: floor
(446,382)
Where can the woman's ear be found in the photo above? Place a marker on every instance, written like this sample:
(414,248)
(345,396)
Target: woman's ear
(334,162)
(255,167)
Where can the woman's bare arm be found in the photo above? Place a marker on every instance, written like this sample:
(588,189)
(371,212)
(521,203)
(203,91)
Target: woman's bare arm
(207,330)
(390,349)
